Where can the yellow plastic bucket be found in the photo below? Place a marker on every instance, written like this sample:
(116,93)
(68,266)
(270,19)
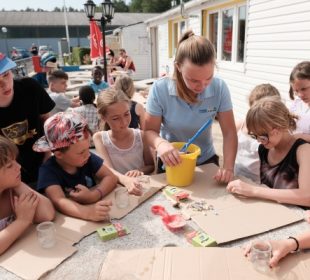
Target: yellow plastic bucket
(182,175)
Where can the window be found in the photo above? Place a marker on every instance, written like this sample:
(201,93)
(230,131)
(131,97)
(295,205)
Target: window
(225,28)
(176,29)
(213,26)
(241,33)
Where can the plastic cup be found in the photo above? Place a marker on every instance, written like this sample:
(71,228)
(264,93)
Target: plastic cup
(144,181)
(121,198)
(260,255)
(46,234)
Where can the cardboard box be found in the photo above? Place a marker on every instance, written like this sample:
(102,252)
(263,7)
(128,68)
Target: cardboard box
(201,239)
(176,193)
(112,231)
(173,263)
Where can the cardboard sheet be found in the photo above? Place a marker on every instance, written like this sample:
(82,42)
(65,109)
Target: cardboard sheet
(197,263)
(28,260)
(156,183)
(233,217)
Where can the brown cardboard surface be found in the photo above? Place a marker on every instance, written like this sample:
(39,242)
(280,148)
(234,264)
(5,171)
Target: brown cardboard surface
(28,260)
(197,263)
(233,217)
(73,229)
(156,184)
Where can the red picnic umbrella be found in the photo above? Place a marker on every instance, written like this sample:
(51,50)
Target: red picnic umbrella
(96,43)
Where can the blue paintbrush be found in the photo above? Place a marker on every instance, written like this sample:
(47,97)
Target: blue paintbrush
(190,141)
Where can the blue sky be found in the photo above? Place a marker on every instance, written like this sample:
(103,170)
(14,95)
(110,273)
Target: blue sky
(44,4)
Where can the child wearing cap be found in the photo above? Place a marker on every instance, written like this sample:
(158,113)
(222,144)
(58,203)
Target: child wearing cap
(69,177)
(24,106)
(57,85)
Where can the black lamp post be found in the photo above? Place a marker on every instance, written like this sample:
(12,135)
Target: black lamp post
(107,15)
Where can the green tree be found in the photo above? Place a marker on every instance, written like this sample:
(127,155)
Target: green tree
(149,6)
(120,6)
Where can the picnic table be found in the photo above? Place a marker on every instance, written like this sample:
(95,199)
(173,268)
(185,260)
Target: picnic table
(146,231)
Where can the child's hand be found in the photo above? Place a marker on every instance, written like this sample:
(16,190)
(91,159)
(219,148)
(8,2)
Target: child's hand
(100,211)
(134,173)
(25,206)
(224,175)
(133,186)
(81,194)
(241,188)
(280,248)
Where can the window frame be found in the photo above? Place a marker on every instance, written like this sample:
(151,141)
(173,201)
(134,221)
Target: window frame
(233,63)
(173,37)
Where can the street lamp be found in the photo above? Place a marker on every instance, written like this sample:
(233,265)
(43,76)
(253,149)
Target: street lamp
(4,31)
(107,15)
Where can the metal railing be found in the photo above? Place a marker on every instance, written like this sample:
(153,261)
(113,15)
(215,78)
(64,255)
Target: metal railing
(24,67)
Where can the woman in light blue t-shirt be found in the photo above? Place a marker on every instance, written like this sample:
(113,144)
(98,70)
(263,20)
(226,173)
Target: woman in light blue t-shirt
(177,107)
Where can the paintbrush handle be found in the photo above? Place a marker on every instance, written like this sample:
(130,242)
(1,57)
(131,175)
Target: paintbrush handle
(190,141)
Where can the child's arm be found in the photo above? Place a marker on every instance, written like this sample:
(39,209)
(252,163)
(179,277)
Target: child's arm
(98,211)
(25,207)
(281,248)
(128,62)
(148,157)
(45,210)
(300,196)
(101,150)
(108,180)
(141,113)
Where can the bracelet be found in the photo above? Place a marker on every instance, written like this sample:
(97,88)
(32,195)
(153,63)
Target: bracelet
(297,244)
(160,142)
(100,192)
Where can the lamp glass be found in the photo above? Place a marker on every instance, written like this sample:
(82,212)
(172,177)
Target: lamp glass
(107,9)
(89,8)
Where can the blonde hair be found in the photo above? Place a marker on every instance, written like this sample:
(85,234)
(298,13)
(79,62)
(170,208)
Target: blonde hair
(268,113)
(8,151)
(199,51)
(125,83)
(261,91)
(107,98)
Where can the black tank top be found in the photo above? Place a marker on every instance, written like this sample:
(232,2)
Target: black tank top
(135,119)
(283,175)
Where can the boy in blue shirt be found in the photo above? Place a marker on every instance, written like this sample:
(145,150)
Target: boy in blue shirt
(69,177)
(96,83)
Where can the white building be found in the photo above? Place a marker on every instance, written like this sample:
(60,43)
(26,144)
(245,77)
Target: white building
(135,40)
(257,41)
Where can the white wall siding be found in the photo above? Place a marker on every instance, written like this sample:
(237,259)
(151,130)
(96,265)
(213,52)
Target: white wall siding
(165,64)
(136,42)
(278,37)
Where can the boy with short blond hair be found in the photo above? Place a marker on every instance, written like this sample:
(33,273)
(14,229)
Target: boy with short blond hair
(69,177)
(57,82)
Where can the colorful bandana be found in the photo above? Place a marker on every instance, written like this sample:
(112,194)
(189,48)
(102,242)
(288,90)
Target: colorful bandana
(61,130)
